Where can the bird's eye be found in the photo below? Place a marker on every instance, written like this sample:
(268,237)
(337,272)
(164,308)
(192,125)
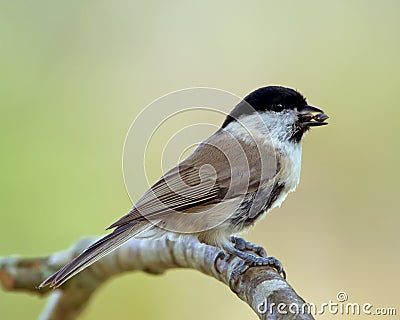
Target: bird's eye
(278,107)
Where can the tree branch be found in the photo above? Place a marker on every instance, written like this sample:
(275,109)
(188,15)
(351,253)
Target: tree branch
(262,288)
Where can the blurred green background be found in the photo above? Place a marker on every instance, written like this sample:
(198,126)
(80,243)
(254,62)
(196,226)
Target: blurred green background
(74,74)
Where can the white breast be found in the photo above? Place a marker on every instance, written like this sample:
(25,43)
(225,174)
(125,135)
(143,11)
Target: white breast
(290,170)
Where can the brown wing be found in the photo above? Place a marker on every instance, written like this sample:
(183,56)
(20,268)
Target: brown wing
(221,168)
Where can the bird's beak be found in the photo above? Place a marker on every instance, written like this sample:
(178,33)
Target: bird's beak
(310,116)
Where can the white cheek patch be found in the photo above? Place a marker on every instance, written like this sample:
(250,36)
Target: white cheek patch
(273,126)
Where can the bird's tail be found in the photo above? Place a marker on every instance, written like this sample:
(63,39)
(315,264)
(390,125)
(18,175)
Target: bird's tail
(96,251)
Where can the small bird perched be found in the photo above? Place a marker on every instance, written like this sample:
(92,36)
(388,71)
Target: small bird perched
(230,181)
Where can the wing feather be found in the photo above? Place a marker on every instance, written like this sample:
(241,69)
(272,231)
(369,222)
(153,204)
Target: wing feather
(220,168)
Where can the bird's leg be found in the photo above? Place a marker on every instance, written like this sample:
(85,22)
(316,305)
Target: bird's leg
(240,249)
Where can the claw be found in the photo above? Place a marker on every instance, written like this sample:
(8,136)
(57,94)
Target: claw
(237,272)
(220,256)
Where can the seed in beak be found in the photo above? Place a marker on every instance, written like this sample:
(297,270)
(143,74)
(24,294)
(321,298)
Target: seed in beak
(320,117)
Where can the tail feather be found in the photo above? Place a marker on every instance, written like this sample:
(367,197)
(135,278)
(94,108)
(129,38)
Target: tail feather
(93,253)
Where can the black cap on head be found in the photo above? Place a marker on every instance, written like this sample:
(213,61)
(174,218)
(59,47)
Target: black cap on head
(268,97)
(272,98)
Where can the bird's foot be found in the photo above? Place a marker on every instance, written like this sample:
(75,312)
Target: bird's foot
(243,245)
(250,259)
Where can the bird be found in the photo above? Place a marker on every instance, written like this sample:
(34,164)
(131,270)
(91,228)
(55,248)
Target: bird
(229,182)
